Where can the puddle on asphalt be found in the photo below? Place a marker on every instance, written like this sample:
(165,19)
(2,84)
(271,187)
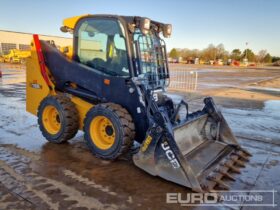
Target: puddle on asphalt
(265,89)
(262,124)
(142,190)
(272,107)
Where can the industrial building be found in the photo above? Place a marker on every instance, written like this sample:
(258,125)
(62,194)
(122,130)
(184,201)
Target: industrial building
(19,40)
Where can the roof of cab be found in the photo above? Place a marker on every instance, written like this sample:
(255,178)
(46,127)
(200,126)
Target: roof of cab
(72,21)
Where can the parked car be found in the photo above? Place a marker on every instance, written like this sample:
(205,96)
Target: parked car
(277,63)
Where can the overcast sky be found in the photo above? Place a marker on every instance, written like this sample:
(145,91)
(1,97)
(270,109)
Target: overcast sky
(196,23)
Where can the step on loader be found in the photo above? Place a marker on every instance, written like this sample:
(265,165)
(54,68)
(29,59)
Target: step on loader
(114,89)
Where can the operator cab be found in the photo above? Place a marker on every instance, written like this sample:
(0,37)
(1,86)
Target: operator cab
(121,46)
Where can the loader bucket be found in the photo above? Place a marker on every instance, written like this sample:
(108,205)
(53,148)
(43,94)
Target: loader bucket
(201,153)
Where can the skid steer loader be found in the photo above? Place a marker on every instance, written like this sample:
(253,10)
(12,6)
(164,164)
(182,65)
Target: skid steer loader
(113,88)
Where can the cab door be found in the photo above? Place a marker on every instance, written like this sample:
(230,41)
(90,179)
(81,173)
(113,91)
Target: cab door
(101,45)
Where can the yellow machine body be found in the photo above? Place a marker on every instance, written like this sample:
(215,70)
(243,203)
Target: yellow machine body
(37,89)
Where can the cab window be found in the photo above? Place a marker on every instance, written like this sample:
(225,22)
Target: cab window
(101,45)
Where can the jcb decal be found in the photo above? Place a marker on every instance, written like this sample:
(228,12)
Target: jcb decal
(170,155)
(146,143)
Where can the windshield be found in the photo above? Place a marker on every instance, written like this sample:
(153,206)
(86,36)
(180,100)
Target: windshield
(151,57)
(101,45)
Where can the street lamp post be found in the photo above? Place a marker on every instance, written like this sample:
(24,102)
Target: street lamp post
(246,51)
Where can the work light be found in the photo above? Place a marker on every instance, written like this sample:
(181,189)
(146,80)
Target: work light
(145,25)
(167,30)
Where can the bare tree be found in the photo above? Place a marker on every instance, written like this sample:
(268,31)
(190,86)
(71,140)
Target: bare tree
(261,56)
(220,51)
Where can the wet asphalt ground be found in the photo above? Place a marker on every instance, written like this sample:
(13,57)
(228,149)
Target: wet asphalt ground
(35,174)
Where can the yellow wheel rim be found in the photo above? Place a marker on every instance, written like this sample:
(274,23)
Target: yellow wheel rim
(51,120)
(102,132)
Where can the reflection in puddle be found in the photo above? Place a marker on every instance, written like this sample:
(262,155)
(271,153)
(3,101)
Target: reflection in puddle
(260,124)
(272,107)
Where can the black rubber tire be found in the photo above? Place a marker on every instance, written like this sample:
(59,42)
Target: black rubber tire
(69,118)
(123,125)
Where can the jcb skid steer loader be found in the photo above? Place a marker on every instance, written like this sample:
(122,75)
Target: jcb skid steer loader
(113,88)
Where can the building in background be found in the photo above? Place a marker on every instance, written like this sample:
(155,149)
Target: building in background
(18,40)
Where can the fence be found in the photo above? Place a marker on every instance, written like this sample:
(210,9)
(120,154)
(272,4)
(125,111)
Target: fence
(182,80)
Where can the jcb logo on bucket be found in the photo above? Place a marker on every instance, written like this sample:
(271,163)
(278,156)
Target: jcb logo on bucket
(170,155)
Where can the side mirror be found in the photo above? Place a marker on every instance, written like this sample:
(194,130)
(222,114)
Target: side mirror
(63,29)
